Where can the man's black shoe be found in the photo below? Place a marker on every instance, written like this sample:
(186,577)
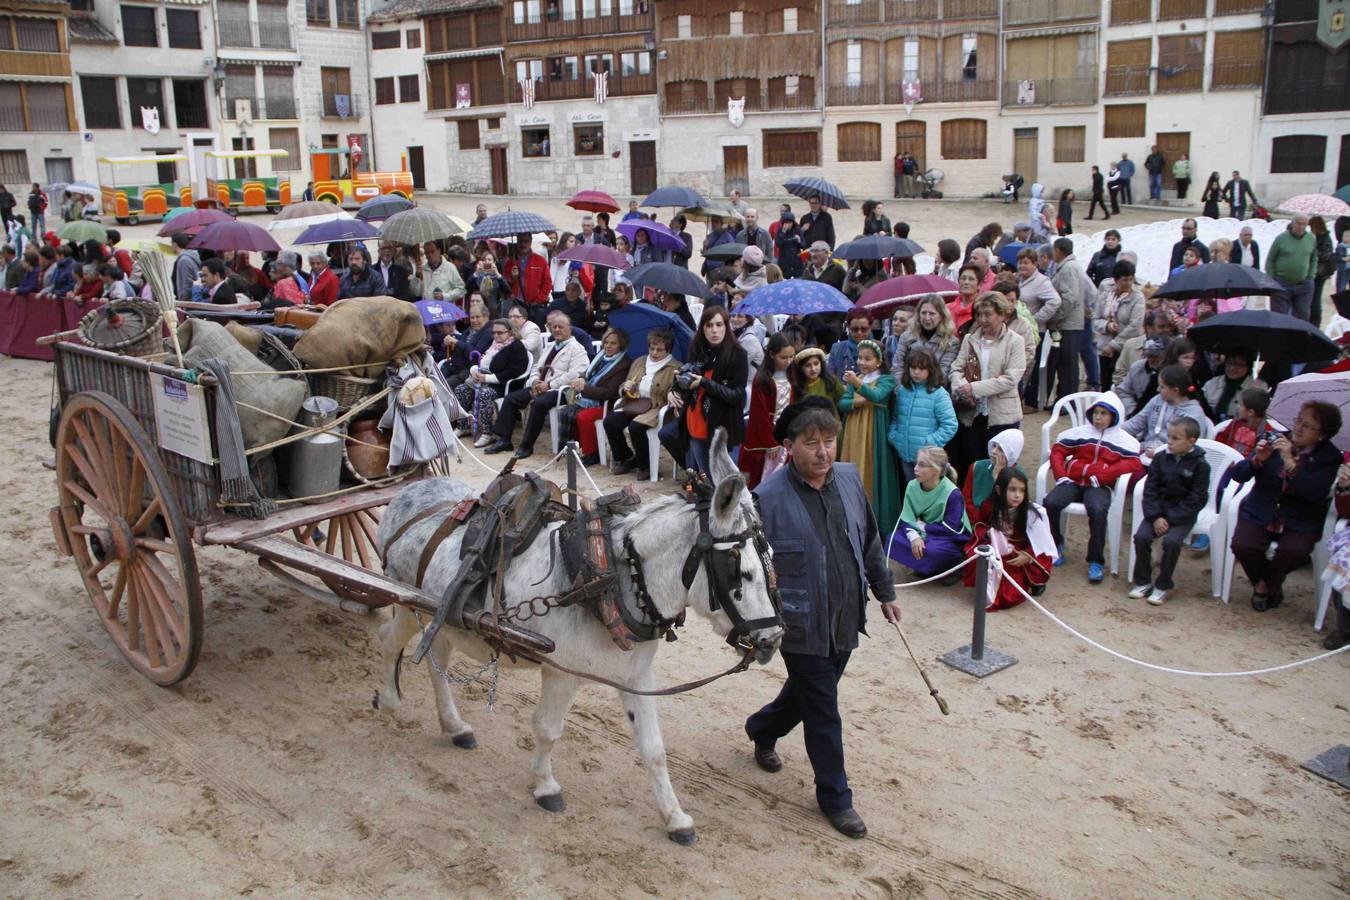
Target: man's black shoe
(768,759)
(523,452)
(1336,640)
(849,824)
(498,447)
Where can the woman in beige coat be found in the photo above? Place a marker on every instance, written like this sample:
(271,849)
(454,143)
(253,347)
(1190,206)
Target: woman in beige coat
(642,396)
(984,381)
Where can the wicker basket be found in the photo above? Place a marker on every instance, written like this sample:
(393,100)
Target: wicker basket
(347,390)
(144,341)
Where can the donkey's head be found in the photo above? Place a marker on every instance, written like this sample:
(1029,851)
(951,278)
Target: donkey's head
(729,571)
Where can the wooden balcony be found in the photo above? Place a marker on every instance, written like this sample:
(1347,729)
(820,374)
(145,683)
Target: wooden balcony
(970,9)
(696,104)
(912,10)
(950,91)
(1246,73)
(1037,12)
(1184,77)
(1054,92)
(854,95)
(863,13)
(26,62)
(1125,80)
(1238,7)
(1171,10)
(579,88)
(1129,12)
(552,29)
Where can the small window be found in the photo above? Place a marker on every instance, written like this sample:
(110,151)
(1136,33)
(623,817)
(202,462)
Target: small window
(911,72)
(287,139)
(853,77)
(13,166)
(316,12)
(384,91)
(791,148)
(639,63)
(1070,143)
(525,12)
(529,68)
(859,142)
(1123,120)
(99,94)
(1298,153)
(963,139)
(409,89)
(598,62)
(969,57)
(414,39)
(385,40)
(684,26)
(138,26)
(348,13)
(589,139)
(564,68)
(184,33)
(468,135)
(494,123)
(736,23)
(790,19)
(534,143)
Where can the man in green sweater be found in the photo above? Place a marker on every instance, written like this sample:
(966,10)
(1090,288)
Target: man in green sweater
(1291,261)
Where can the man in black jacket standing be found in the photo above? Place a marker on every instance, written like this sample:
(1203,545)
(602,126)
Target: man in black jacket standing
(1188,239)
(1154,165)
(1237,191)
(1098,194)
(817,225)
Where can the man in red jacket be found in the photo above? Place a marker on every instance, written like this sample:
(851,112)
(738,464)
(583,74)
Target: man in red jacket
(323,284)
(527,274)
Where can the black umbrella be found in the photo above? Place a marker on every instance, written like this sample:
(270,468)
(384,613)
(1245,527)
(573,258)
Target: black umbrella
(827,193)
(877,246)
(668,278)
(725,251)
(1216,280)
(674,195)
(1341,302)
(1274,336)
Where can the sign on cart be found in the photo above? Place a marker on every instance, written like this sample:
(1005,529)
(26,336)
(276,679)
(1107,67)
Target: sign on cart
(180,418)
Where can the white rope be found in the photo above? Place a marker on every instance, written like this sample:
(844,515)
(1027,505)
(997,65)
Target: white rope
(464,448)
(582,466)
(956,568)
(557,456)
(996,564)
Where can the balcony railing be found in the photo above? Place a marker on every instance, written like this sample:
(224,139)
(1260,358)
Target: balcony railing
(911,10)
(330,108)
(803,99)
(1237,74)
(581,88)
(1170,10)
(854,95)
(845,13)
(1053,92)
(952,91)
(1184,77)
(1122,80)
(274,27)
(191,116)
(546,28)
(233,28)
(1128,12)
(1238,7)
(1032,12)
(969,9)
(277,108)
(686,105)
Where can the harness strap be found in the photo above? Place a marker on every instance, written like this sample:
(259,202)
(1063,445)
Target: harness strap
(447,527)
(406,526)
(740,666)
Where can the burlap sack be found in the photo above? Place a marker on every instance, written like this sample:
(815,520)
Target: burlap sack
(362,331)
(277,394)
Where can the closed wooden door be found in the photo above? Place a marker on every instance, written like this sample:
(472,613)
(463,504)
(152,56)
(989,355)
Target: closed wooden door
(736,169)
(497,158)
(642,166)
(1343,168)
(912,137)
(1027,153)
(417,167)
(1173,144)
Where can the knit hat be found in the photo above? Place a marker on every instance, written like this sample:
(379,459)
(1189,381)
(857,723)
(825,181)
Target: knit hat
(752,256)
(806,353)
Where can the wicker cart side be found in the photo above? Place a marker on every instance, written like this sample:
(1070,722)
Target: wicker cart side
(79,368)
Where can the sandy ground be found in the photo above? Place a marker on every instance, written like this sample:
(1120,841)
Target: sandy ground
(267,772)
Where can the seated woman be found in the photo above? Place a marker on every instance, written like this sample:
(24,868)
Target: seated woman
(461,349)
(1221,395)
(598,385)
(527,331)
(1019,532)
(1288,503)
(933,528)
(1005,448)
(641,397)
(505,359)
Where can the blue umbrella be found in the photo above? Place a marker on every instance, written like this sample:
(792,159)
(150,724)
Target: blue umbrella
(794,296)
(828,194)
(674,195)
(339,230)
(637,319)
(668,278)
(1010,250)
(383,207)
(661,237)
(877,246)
(509,224)
(436,312)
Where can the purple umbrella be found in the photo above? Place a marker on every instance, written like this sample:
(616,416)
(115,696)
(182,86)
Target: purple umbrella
(340,230)
(436,312)
(596,255)
(233,235)
(662,238)
(196,219)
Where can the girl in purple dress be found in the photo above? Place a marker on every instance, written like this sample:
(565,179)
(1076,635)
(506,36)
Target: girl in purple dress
(933,529)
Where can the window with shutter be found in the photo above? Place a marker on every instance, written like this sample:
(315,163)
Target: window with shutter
(287,139)
(409,89)
(791,148)
(1123,120)
(469,135)
(1298,153)
(963,139)
(1181,63)
(1239,59)
(384,91)
(1127,66)
(1070,143)
(414,39)
(859,142)
(13,166)
(99,94)
(385,40)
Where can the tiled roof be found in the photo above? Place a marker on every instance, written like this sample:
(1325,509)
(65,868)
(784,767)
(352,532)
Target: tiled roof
(88,30)
(414,9)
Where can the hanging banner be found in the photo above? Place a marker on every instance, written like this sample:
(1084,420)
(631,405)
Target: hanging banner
(527,92)
(601,86)
(911,92)
(1332,16)
(736,112)
(1026,93)
(463,96)
(150,119)
(357,152)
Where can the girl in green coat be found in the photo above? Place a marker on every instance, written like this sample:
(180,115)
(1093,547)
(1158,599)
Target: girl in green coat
(867,407)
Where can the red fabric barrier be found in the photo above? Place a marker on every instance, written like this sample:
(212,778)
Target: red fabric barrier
(23,319)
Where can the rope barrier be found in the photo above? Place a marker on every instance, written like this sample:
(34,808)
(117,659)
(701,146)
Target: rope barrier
(938,577)
(570,448)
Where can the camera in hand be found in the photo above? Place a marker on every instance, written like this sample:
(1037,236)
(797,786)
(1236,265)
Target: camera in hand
(684,378)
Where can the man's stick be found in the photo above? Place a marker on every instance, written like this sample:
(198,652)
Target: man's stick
(942,704)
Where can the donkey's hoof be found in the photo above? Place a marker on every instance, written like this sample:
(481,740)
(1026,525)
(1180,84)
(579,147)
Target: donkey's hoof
(685,837)
(551,802)
(465,741)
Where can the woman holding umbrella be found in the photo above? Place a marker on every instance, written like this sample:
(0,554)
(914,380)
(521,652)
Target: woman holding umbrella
(1288,503)
(709,392)
(643,250)
(489,284)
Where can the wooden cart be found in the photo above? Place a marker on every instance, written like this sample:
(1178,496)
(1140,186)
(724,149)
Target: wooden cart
(131,513)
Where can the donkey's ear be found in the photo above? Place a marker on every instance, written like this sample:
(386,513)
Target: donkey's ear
(720,466)
(728,495)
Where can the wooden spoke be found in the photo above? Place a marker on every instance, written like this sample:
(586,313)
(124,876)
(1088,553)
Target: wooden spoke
(147,517)
(161,587)
(119,588)
(88,499)
(135,497)
(98,566)
(155,546)
(348,552)
(88,472)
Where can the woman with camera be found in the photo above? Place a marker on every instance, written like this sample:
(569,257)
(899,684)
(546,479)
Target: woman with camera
(709,392)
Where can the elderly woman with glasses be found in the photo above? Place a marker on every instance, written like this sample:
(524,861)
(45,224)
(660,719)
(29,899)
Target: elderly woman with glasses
(1288,503)
(504,360)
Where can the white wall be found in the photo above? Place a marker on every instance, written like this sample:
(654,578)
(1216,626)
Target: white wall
(689,151)
(1271,189)
(397,126)
(563,172)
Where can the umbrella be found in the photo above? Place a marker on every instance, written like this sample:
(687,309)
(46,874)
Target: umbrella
(725,252)
(828,194)
(1343,194)
(877,246)
(593,201)
(794,296)
(341,230)
(883,297)
(509,224)
(383,207)
(464,225)
(661,237)
(233,235)
(302,215)
(596,255)
(82,230)
(637,319)
(1219,280)
(85,188)
(668,278)
(673,195)
(1323,205)
(435,312)
(1274,336)
(417,226)
(1008,253)
(177,211)
(1292,393)
(710,211)
(193,218)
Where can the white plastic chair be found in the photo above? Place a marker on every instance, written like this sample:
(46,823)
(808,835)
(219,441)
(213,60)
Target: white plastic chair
(654,448)
(1211,521)
(1075,406)
(1319,556)
(1320,560)
(695,309)
(1115,515)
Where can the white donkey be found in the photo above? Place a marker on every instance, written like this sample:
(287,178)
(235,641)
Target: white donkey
(663,534)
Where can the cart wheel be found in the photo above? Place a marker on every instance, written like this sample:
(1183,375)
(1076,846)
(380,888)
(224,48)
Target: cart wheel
(128,537)
(349,537)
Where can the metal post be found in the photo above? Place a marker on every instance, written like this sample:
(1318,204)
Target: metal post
(975,658)
(572,474)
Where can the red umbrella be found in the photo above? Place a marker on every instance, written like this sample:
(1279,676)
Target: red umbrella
(593,201)
(596,255)
(194,221)
(233,235)
(883,297)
